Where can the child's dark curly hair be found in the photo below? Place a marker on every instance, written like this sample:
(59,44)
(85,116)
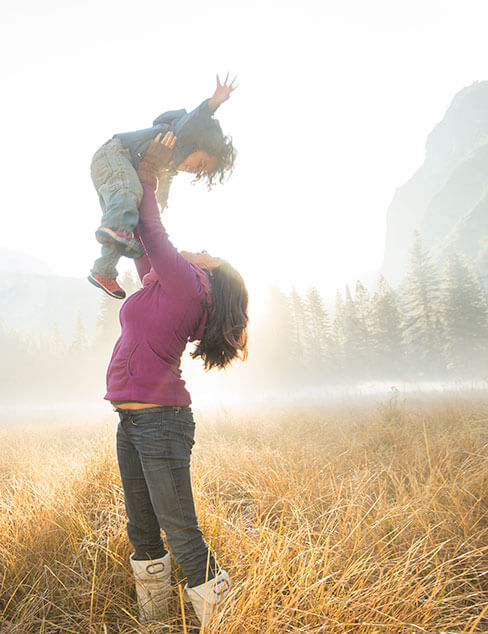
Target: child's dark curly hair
(225,154)
(211,139)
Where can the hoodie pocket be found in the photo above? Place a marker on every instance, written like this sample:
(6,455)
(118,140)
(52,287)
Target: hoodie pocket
(130,361)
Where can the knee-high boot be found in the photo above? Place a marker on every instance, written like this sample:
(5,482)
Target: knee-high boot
(206,597)
(153,584)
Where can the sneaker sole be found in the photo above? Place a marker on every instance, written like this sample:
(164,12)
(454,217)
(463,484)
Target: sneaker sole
(96,283)
(108,237)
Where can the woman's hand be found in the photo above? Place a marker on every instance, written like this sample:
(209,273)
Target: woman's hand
(222,92)
(160,150)
(156,159)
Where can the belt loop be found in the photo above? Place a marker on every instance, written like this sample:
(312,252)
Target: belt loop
(177,410)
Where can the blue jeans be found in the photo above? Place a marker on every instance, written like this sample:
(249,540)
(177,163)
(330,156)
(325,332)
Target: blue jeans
(153,450)
(120,194)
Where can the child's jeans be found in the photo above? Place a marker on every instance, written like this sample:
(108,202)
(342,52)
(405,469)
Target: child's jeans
(120,194)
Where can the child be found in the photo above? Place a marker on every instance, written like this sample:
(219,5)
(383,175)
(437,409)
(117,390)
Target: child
(199,148)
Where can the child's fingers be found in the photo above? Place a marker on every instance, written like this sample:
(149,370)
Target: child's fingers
(158,137)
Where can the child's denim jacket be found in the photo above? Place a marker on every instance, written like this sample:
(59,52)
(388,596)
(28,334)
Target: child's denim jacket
(187,126)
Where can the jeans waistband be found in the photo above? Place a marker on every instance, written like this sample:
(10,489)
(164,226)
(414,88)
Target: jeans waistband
(175,409)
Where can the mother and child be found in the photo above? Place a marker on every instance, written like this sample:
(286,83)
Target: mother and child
(184,297)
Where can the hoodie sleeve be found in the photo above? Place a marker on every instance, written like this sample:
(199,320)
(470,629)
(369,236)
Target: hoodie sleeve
(143,264)
(175,274)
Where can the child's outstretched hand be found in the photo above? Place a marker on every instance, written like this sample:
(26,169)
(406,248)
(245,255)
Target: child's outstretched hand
(222,92)
(156,158)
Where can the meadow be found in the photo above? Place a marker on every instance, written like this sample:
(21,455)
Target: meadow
(347,517)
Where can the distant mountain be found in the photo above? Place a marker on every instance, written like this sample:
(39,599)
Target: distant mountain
(446,200)
(34,299)
(44,303)
(13,261)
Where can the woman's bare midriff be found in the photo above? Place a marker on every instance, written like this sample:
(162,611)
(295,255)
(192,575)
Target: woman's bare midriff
(133,405)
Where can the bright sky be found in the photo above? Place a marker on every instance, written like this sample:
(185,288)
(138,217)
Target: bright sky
(335,101)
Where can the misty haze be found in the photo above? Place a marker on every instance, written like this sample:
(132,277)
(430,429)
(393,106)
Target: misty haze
(339,445)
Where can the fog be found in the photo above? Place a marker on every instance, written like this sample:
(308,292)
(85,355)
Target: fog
(302,352)
(350,123)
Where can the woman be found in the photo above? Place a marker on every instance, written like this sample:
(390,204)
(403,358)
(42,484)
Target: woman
(185,297)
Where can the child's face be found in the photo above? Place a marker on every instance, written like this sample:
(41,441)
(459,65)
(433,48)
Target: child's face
(199,161)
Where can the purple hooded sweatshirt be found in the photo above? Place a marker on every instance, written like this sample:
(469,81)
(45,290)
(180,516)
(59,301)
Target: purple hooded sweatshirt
(158,321)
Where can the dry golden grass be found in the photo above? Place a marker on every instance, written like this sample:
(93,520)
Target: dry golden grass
(367,518)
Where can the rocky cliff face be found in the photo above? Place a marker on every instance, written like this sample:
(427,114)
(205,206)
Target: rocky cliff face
(446,200)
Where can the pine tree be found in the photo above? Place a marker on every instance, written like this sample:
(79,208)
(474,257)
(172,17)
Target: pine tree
(465,316)
(318,330)
(338,335)
(79,344)
(57,344)
(108,326)
(301,330)
(129,283)
(356,337)
(389,355)
(364,308)
(362,301)
(423,328)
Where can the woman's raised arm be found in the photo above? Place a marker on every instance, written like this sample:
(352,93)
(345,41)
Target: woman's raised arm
(143,265)
(175,273)
(156,158)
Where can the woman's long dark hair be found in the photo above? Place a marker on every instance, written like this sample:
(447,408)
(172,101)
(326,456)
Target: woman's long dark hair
(225,335)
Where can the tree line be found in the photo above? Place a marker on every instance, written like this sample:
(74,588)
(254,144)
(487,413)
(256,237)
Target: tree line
(435,324)
(48,366)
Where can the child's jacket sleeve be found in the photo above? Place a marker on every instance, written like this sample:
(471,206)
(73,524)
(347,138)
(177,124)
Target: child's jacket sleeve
(178,119)
(172,116)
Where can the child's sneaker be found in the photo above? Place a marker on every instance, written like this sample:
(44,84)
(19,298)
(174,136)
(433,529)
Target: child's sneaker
(123,240)
(109,286)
